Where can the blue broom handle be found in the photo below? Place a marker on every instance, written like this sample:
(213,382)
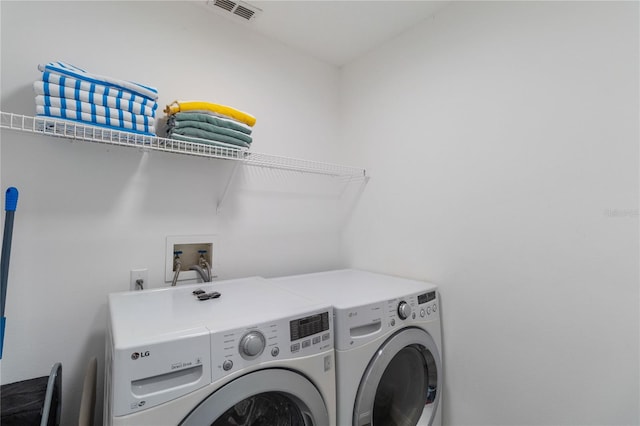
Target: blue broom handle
(11,202)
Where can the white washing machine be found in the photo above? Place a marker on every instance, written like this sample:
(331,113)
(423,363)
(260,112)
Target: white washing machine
(387,345)
(254,355)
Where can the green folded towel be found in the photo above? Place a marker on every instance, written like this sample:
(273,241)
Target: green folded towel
(190,134)
(212,128)
(211,119)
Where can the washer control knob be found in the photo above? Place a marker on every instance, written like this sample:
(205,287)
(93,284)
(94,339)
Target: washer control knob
(404,310)
(252,345)
(227,365)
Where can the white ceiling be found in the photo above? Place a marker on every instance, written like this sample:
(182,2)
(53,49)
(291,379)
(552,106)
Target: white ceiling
(336,31)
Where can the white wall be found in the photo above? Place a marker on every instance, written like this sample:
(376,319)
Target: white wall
(89,213)
(502,141)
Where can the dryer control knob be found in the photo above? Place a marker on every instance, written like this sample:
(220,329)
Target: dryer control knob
(252,345)
(404,310)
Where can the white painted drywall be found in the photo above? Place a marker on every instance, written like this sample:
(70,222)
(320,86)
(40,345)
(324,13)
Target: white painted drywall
(502,141)
(90,213)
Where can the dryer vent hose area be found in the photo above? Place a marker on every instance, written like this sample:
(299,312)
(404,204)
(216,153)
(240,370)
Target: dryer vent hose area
(265,409)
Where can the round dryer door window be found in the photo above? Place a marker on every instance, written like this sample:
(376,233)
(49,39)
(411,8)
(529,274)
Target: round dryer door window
(400,385)
(265,397)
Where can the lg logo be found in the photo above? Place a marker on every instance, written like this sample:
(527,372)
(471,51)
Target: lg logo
(137,355)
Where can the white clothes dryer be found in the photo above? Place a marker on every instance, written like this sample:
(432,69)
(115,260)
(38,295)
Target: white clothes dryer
(249,353)
(387,345)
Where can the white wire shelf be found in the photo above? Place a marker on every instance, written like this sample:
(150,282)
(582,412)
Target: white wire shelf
(77,131)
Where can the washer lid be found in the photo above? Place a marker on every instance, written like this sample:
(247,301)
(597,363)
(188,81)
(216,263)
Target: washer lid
(271,397)
(166,314)
(401,384)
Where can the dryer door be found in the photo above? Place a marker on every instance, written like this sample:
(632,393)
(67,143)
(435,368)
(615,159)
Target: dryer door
(400,387)
(264,397)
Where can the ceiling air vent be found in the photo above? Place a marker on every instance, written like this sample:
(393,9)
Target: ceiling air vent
(239,9)
(244,12)
(225,4)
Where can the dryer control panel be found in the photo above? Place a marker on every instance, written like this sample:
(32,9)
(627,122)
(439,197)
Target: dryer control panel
(359,325)
(237,349)
(415,307)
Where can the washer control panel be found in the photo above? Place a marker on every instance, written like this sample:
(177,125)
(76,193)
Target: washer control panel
(276,340)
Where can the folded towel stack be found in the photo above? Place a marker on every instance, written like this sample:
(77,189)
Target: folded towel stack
(207,123)
(71,93)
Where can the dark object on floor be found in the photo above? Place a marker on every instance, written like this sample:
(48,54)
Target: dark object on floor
(33,402)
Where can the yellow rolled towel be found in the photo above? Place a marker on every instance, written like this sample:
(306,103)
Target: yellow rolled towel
(183,106)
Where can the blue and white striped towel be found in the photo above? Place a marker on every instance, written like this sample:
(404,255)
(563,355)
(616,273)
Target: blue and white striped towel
(73,94)
(98,89)
(93,109)
(65,69)
(100,120)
